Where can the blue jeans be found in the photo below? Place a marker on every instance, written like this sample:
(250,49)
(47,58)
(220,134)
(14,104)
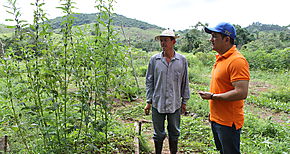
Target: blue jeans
(173,127)
(227,139)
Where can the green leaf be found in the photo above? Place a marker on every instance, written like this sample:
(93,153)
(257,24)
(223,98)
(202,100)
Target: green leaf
(9,12)
(11,26)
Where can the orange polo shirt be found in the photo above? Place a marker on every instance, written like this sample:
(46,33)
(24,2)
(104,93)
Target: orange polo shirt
(231,66)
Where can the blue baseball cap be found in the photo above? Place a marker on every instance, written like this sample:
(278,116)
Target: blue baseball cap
(224,28)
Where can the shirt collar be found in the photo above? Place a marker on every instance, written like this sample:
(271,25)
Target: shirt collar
(176,56)
(228,53)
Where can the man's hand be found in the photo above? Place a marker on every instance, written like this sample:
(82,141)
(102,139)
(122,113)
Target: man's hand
(183,108)
(205,95)
(239,92)
(147,109)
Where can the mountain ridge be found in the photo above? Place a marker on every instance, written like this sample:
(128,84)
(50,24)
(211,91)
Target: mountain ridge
(117,20)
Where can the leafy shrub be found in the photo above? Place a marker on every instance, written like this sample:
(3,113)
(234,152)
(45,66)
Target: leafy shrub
(195,76)
(266,42)
(144,146)
(275,60)
(207,59)
(196,73)
(141,72)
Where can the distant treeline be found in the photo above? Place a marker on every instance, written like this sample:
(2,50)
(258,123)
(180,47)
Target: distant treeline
(257,26)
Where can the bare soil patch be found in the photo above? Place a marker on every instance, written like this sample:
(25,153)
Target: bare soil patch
(256,87)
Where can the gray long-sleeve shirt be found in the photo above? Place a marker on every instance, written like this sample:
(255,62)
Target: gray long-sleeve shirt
(167,85)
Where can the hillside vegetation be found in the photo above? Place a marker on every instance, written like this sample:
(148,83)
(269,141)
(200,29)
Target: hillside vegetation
(141,34)
(117,20)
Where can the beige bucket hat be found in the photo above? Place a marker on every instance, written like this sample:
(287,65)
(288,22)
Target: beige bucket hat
(167,32)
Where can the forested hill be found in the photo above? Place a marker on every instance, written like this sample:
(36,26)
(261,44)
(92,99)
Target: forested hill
(257,26)
(118,20)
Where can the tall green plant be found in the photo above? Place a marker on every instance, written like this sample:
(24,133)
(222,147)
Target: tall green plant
(12,70)
(34,67)
(67,47)
(110,65)
(61,87)
(131,58)
(106,61)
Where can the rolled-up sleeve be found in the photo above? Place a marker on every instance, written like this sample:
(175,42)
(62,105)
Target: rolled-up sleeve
(150,81)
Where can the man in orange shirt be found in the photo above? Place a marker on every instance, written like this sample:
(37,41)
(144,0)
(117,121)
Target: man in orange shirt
(228,89)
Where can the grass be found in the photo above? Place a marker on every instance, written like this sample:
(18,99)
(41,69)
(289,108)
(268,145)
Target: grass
(270,89)
(276,78)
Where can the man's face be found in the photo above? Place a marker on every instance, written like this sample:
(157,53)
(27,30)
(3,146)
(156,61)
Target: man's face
(217,41)
(166,43)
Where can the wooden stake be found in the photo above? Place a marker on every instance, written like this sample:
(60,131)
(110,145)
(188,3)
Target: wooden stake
(5,143)
(136,138)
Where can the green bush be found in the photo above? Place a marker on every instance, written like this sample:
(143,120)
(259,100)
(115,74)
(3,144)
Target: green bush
(195,76)
(207,59)
(141,72)
(192,60)
(275,60)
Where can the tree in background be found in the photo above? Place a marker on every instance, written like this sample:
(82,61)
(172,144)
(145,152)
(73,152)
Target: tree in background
(194,40)
(243,36)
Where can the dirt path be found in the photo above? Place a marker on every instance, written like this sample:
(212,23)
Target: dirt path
(165,149)
(148,132)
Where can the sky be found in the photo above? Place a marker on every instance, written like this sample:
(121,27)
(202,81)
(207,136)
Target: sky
(174,14)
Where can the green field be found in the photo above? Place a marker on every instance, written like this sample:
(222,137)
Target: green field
(266,124)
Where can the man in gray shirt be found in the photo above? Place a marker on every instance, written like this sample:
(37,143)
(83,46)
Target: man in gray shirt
(167,91)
